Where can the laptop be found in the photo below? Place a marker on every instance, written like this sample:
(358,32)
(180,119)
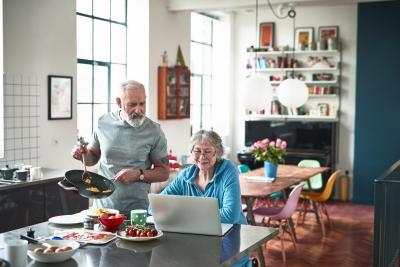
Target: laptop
(187,214)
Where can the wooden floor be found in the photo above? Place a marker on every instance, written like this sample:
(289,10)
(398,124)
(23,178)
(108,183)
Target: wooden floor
(349,243)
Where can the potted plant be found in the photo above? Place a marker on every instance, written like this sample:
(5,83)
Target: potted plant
(271,152)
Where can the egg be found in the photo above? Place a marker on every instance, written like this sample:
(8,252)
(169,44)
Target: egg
(48,251)
(59,250)
(66,248)
(38,250)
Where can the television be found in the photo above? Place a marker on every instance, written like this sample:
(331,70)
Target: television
(299,135)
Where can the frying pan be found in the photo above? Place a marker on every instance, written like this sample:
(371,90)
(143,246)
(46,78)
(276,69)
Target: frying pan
(73,181)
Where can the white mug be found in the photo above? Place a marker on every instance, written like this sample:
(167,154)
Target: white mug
(16,251)
(36,173)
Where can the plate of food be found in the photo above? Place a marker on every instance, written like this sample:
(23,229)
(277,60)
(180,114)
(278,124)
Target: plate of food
(139,233)
(87,236)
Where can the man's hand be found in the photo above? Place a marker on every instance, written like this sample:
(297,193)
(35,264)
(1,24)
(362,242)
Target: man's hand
(78,150)
(127,176)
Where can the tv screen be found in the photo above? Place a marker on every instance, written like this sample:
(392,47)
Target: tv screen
(298,135)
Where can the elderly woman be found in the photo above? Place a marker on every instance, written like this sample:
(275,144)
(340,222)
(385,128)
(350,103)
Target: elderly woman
(210,176)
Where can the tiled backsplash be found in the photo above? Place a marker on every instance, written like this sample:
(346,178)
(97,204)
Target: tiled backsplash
(21,120)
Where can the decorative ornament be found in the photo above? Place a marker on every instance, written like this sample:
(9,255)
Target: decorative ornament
(179,58)
(165,59)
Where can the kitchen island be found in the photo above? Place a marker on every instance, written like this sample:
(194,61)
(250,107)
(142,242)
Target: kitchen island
(172,249)
(30,202)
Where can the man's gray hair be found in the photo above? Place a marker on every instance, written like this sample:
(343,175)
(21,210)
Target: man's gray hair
(208,137)
(130,85)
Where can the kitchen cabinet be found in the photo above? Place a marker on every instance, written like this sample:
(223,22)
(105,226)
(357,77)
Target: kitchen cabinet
(319,69)
(34,202)
(173,93)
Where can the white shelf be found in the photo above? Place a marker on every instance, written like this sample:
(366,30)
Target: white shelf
(335,82)
(262,117)
(323,96)
(304,52)
(294,69)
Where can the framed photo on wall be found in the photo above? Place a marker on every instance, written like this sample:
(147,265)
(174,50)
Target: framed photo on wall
(304,37)
(267,31)
(326,32)
(60,97)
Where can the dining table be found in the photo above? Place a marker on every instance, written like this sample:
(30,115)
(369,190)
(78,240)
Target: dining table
(287,175)
(170,250)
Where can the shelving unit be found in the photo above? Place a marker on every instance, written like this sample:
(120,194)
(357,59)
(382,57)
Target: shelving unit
(319,69)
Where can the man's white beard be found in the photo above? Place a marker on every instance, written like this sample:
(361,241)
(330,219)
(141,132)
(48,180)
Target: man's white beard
(131,120)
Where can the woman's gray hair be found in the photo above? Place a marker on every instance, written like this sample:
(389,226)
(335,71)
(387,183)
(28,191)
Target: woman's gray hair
(130,85)
(208,137)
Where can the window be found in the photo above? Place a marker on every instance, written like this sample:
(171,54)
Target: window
(102,50)
(201,68)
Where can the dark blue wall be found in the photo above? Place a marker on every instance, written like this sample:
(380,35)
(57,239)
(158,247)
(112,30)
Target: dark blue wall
(377,118)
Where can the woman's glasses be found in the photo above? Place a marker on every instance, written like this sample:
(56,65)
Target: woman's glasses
(207,153)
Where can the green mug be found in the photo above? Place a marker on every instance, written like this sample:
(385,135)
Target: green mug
(138,217)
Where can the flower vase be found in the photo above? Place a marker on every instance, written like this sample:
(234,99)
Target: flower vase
(270,169)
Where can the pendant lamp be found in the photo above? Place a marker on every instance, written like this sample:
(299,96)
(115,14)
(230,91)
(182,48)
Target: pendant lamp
(292,93)
(257,91)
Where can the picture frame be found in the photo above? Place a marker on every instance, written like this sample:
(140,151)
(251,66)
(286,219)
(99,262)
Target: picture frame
(59,97)
(304,36)
(326,32)
(267,32)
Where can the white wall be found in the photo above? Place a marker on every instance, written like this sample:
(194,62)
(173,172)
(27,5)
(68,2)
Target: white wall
(167,30)
(1,84)
(345,16)
(40,39)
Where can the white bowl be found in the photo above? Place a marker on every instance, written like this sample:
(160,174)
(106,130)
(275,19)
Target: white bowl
(53,257)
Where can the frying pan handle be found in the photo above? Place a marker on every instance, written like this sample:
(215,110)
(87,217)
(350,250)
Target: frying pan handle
(72,188)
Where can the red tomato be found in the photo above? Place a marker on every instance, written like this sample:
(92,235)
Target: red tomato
(154,231)
(143,234)
(130,232)
(149,233)
(127,231)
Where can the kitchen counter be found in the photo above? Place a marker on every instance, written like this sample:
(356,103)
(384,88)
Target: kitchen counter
(49,175)
(36,201)
(171,250)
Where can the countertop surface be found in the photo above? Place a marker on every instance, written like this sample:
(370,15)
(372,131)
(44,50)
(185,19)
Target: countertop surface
(172,249)
(49,175)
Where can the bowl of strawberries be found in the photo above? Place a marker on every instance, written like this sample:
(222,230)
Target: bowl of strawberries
(111,221)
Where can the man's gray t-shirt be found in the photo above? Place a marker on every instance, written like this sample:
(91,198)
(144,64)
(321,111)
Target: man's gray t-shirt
(123,146)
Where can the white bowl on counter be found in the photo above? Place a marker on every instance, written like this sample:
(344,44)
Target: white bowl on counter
(55,256)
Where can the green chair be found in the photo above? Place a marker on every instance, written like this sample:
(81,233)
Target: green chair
(242,168)
(315,181)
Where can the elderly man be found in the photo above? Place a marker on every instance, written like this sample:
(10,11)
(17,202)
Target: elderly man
(131,148)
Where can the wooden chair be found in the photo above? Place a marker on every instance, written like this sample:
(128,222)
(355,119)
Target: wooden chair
(319,199)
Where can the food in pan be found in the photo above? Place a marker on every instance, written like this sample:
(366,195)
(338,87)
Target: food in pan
(87,180)
(93,189)
(106,191)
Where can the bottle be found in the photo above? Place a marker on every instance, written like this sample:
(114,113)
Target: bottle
(88,223)
(344,182)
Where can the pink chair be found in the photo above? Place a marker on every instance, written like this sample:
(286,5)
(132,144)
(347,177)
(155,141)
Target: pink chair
(282,215)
